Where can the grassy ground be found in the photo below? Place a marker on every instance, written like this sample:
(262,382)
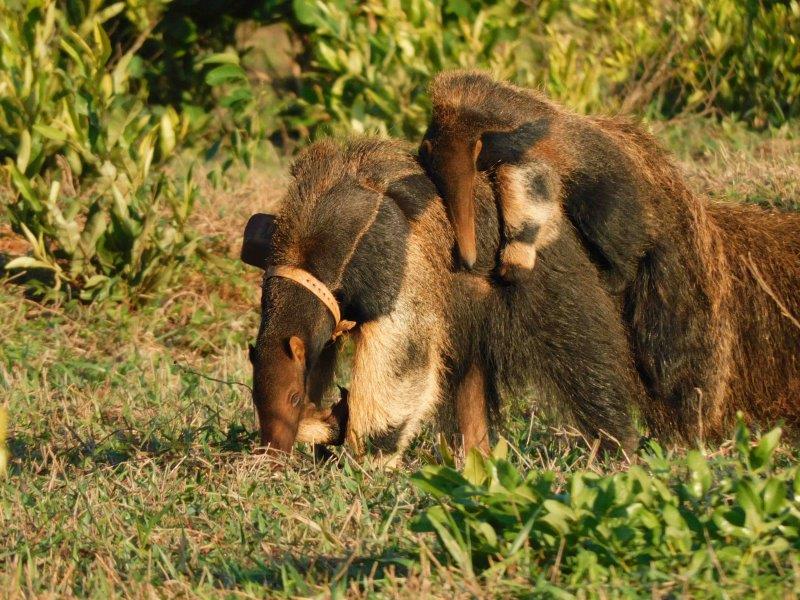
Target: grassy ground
(131,430)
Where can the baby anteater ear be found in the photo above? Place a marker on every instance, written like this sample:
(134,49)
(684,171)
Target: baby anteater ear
(257,244)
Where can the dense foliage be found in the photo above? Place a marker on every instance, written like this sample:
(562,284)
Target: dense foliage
(695,520)
(79,142)
(370,61)
(96,97)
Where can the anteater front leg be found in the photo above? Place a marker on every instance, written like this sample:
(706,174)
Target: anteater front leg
(530,205)
(472,410)
(395,384)
(325,426)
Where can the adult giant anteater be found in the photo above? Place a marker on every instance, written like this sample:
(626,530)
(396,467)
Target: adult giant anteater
(363,236)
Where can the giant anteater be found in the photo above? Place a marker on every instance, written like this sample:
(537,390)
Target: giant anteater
(710,292)
(363,219)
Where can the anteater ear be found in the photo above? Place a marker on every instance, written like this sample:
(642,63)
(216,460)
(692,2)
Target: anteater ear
(425,149)
(257,244)
(297,349)
(476,150)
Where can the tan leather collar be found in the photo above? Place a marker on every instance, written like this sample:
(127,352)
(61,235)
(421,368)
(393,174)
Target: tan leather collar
(319,289)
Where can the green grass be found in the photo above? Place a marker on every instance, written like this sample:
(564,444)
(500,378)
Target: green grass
(131,473)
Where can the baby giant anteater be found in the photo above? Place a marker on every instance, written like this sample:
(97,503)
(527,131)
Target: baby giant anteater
(364,220)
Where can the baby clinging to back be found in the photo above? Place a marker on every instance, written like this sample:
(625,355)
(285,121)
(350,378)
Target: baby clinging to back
(479,124)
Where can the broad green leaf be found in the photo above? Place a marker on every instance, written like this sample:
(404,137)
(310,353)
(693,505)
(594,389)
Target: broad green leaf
(146,152)
(699,473)
(237,96)
(672,517)
(500,451)
(51,132)
(101,39)
(52,197)
(487,532)
(438,480)
(762,453)
(95,281)
(74,54)
(225,73)
(558,516)
(774,495)
(507,475)
(306,11)
(446,452)
(37,244)
(94,228)
(474,470)
(109,12)
(329,57)
(750,502)
(27,262)
(24,187)
(230,58)
(120,74)
(166,135)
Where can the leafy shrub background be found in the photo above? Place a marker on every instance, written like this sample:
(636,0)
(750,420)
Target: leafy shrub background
(370,62)
(79,142)
(97,97)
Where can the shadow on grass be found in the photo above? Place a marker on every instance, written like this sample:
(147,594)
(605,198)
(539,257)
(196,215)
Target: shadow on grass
(126,444)
(293,574)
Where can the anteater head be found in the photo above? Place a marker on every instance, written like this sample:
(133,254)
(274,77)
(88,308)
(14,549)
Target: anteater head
(477,124)
(335,224)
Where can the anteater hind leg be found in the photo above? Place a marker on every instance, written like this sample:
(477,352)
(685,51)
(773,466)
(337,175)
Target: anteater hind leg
(529,202)
(472,410)
(566,319)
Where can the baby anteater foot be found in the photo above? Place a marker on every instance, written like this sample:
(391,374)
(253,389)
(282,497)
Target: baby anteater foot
(517,260)
(528,197)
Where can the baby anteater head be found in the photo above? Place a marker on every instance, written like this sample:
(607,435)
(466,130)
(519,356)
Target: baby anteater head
(477,123)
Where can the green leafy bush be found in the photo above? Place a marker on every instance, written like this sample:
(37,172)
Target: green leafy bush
(736,58)
(370,62)
(79,143)
(693,519)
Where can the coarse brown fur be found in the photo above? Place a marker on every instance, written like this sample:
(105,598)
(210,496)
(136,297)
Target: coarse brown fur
(364,218)
(710,292)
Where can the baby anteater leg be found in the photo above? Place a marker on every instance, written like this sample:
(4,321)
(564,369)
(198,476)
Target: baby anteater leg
(529,202)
